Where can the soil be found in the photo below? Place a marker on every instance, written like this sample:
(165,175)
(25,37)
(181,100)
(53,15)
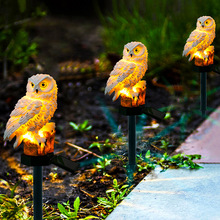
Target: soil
(81,97)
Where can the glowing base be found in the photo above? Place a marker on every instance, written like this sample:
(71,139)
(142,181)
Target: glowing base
(205,58)
(34,147)
(135,97)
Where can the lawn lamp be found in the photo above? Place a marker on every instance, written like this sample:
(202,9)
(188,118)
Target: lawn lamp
(198,46)
(29,122)
(126,82)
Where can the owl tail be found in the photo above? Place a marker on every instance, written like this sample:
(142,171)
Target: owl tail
(117,93)
(18,141)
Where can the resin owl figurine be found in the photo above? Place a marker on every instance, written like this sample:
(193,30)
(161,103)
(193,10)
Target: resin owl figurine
(33,111)
(128,71)
(201,38)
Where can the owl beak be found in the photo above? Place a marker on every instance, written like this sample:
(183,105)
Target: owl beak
(131,54)
(36,90)
(203,25)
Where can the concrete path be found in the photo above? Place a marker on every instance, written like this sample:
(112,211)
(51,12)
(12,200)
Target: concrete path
(205,140)
(177,194)
(181,194)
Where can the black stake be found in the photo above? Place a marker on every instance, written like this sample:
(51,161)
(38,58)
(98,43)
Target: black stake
(132,143)
(38,203)
(203,95)
(131,113)
(37,162)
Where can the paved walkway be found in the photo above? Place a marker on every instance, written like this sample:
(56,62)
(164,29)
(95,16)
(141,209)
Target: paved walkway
(174,195)
(205,140)
(181,194)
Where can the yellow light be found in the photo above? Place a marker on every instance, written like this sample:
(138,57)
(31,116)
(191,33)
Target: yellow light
(29,137)
(204,58)
(198,54)
(125,92)
(41,133)
(134,89)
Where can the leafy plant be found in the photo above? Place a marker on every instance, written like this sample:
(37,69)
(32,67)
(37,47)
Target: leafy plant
(114,196)
(164,144)
(102,146)
(67,212)
(81,127)
(102,164)
(165,161)
(16,49)
(145,163)
(179,160)
(12,207)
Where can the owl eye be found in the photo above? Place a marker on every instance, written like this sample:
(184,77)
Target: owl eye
(136,51)
(32,84)
(200,22)
(43,85)
(206,22)
(127,50)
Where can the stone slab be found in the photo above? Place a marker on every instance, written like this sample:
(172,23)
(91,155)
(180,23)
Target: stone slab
(205,140)
(176,194)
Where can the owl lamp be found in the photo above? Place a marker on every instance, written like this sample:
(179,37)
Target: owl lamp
(29,121)
(125,79)
(198,46)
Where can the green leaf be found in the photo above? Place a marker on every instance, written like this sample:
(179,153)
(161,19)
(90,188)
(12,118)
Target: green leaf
(74,125)
(147,155)
(88,128)
(194,156)
(167,116)
(62,209)
(110,190)
(115,182)
(107,141)
(84,124)
(95,144)
(76,205)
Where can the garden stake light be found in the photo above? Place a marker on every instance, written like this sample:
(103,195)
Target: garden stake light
(29,122)
(198,46)
(125,81)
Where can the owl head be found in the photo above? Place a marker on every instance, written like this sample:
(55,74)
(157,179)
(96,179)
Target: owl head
(41,86)
(205,23)
(135,51)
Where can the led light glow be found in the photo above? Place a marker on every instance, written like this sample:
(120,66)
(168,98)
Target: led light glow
(204,58)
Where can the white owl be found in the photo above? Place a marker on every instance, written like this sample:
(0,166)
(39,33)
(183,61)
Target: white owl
(128,72)
(201,38)
(33,111)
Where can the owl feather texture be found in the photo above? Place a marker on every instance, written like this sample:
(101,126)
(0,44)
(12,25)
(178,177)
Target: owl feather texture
(201,38)
(33,111)
(128,72)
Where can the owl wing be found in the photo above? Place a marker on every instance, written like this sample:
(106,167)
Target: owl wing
(24,110)
(118,75)
(194,42)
